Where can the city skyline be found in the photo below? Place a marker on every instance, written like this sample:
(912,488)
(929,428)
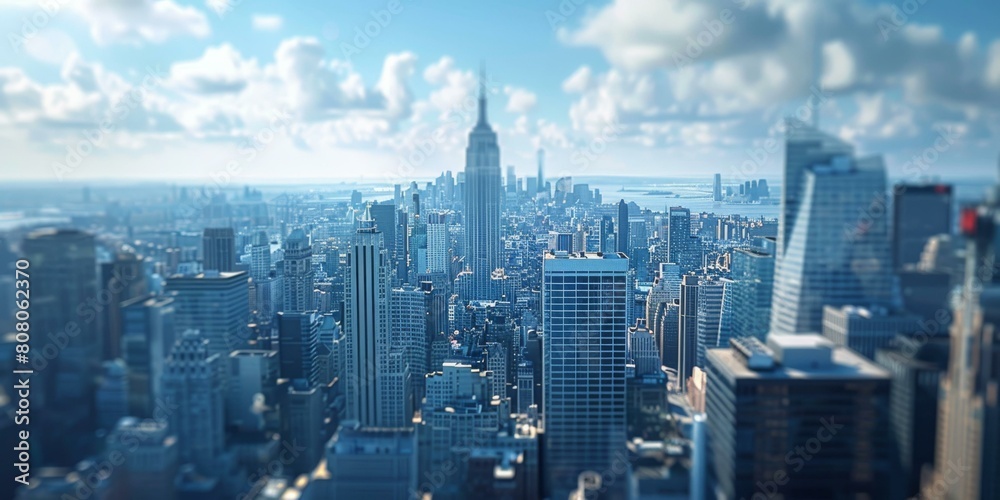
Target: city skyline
(702,250)
(620,94)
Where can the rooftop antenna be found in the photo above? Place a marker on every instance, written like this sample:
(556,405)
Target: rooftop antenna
(817,75)
(482,92)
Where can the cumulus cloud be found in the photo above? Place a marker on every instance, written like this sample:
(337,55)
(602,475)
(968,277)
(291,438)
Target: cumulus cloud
(138,21)
(520,100)
(220,69)
(720,68)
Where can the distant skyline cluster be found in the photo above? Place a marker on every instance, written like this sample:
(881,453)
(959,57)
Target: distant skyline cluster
(184,90)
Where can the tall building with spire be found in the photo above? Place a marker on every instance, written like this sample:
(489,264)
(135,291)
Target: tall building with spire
(483,192)
(366,321)
(967,463)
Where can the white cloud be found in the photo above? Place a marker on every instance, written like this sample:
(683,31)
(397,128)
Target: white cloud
(699,77)
(219,70)
(267,22)
(520,101)
(580,81)
(993,66)
(839,71)
(51,46)
(138,21)
(396,72)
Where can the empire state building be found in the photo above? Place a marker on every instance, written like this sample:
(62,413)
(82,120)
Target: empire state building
(483,193)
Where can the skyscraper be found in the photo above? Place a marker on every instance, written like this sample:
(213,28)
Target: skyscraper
(219,249)
(297,338)
(147,338)
(967,463)
(752,290)
(916,367)
(260,256)
(418,248)
(438,248)
(150,458)
(710,296)
(717,188)
(191,382)
(687,329)
(622,238)
(385,216)
(366,323)
(302,424)
(832,254)
(679,237)
(919,212)
(456,415)
(124,278)
(797,417)
(483,192)
(298,273)
(805,146)
(661,303)
(584,319)
(408,324)
(216,304)
(607,234)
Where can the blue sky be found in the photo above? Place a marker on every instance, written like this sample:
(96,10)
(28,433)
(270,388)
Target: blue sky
(253,91)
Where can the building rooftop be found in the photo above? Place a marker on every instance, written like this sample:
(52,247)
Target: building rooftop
(562,254)
(799,356)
